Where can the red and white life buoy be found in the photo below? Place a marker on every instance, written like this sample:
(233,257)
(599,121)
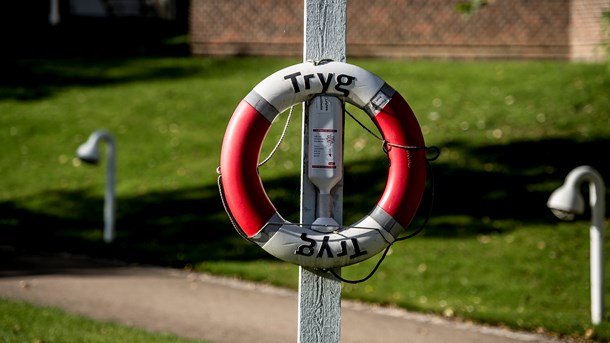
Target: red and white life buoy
(254,213)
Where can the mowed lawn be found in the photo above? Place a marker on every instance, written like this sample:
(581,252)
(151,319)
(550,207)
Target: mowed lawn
(508,132)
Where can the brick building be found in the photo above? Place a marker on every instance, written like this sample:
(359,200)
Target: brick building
(506,29)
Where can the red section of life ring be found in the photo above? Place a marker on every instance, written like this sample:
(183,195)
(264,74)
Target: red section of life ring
(407,173)
(241,148)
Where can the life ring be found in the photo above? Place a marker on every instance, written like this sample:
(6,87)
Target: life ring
(248,204)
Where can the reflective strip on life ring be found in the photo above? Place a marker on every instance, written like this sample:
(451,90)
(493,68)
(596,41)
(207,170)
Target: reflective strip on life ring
(250,206)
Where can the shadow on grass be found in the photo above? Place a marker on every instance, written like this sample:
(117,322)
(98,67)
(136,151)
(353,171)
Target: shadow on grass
(35,79)
(179,227)
(92,51)
(171,228)
(511,184)
(32,79)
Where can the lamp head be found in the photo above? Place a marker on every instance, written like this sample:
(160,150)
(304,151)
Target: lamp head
(88,152)
(566,202)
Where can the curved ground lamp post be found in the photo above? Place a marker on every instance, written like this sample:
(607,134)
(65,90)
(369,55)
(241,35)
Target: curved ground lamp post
(565,202)
(89,152)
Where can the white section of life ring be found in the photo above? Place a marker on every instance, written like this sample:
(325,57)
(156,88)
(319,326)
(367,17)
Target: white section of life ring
(299,82)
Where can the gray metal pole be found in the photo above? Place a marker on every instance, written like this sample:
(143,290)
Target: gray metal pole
(110,197)
(320,293)
(89,152)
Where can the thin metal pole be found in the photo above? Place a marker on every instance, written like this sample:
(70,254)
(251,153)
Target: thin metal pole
(89,152)
(597,194)
(109,196)
(320,293)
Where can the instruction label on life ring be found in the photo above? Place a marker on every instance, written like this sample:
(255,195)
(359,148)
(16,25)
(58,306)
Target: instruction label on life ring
(323,148)
(323,136)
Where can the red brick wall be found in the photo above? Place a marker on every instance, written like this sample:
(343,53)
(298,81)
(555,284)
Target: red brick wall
(249,27)
(556,29)
(586,32)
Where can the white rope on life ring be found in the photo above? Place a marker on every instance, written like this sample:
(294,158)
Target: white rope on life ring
(249,206)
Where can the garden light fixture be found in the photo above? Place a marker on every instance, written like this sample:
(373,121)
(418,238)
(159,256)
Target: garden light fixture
(89,152)
(565,202)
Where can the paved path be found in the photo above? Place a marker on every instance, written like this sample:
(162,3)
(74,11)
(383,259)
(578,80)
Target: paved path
(201,306)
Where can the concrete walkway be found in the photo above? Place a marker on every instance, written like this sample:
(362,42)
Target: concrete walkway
(202,306)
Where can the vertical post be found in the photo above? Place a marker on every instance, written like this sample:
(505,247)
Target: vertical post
(54,17)
(596,234)
(89,152)
(320,293)
(109,195)
(597,199)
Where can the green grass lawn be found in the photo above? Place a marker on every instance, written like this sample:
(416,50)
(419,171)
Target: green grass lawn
(509,132)
(21,322)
